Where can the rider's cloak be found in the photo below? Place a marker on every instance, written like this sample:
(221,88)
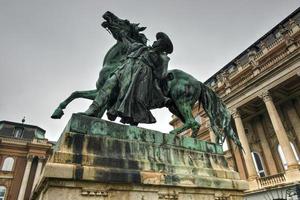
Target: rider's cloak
(138,89)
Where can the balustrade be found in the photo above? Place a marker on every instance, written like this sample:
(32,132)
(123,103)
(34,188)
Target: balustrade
(272,180)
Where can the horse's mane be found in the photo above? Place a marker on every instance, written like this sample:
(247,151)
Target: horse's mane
(142,38)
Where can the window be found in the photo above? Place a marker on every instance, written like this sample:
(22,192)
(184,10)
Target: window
(225,145)
(231,69)
(258,164)
(198,119)
(18,132)
(278,34)
(8,164)
(2,192)
(282,157)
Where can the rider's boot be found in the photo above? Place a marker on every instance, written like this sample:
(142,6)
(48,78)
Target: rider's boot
(98,103)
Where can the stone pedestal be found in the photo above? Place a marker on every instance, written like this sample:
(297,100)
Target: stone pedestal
(97,159)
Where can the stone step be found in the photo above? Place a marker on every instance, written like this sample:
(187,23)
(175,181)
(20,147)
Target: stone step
(113,175)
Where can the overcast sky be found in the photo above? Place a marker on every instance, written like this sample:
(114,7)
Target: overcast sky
(49,49)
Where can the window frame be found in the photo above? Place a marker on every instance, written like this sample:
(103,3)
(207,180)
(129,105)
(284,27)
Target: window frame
(16,129)
(282,156)
(258,171)
(5,191)
(198,118)
(13,164)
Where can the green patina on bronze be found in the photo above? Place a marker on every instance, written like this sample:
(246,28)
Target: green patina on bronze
(94,126)
(124,154)
(134,79)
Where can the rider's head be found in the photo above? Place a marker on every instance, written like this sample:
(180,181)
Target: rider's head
(163,43)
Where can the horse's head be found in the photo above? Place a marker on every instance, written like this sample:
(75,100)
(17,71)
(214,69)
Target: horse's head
(116,25)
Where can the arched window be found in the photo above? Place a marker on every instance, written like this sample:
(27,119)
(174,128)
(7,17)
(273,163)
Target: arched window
(18,132)
(198,118)
(2,192)
(258,164)
(225,145)
(8,164)
(282,157)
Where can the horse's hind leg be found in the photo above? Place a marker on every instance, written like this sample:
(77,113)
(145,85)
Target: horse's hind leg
(186,110)
(88,94)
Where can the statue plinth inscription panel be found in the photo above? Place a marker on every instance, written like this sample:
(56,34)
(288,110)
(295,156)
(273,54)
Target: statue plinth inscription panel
(96,158)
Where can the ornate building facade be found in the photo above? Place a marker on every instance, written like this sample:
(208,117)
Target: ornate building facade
(261,87)
(23,153)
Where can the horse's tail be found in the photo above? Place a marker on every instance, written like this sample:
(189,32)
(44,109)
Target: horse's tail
(218,114)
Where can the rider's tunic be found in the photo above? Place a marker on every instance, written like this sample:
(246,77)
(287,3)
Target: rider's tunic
(138,89)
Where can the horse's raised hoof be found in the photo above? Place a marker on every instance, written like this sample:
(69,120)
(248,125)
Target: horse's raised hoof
(58,113)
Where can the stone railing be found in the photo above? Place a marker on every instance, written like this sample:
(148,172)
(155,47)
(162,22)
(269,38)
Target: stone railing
(250,75)
(23,141)
(14,139)
(274,60)
(40,141)
(273,180)
(275,43)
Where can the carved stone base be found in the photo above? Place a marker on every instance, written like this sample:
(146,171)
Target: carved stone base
(96,159)
(83,190)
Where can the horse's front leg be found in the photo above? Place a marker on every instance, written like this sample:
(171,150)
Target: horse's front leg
(180,129)
(191,124)
(89,94)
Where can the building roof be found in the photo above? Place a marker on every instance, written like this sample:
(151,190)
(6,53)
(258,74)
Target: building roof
(7,129)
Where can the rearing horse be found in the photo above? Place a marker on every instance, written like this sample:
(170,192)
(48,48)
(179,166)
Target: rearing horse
(183,89)
(113,58)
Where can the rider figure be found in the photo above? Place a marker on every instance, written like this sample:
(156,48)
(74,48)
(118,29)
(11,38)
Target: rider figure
(136,83)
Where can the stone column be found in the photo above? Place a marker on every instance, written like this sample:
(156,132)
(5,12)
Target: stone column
(37,173)
(238,160)
(265,147)
(280,131)
(244,141)
(25,178)
(294,119)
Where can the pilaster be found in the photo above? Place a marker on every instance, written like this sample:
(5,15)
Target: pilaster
(38,172)
(25,178)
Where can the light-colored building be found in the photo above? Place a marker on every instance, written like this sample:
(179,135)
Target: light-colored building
(261,87)
(23,153)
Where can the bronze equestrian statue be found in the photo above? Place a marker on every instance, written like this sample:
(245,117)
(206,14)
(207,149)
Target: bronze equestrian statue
(134,79)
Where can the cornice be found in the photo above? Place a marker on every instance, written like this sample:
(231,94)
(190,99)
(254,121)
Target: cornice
(261,77)
(260,44)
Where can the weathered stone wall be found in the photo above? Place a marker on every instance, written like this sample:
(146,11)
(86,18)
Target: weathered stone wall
(94,153)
